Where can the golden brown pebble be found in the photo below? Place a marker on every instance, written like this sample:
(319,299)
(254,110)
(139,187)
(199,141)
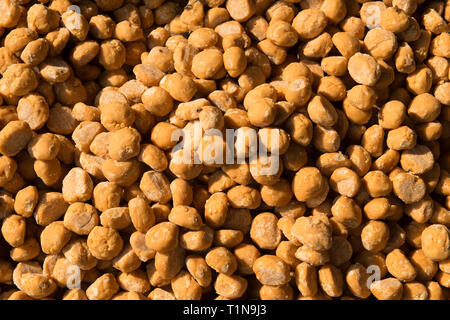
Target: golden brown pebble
(364,69)
(313,233)
(387,289)
(104,243)
(271,270)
